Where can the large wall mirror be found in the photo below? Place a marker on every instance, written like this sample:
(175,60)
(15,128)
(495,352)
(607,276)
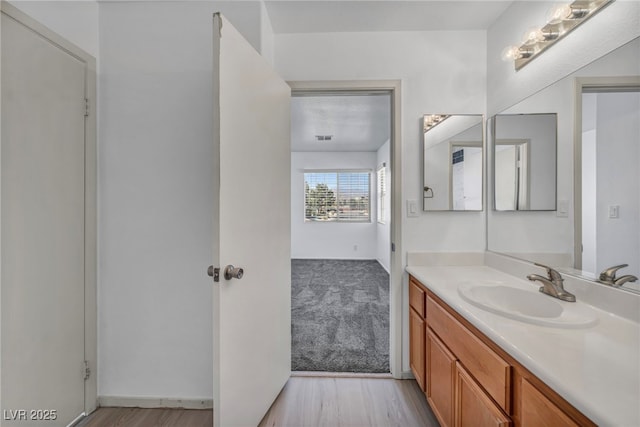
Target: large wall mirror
(595,223)
(453,161)
(524,162)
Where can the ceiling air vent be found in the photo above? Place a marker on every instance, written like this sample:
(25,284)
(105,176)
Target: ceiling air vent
(324,137)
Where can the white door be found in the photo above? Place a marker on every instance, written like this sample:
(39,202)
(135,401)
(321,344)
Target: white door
(252,315)
(42,231)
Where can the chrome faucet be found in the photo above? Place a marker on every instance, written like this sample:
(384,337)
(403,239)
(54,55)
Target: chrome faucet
(552,285)
(608,276)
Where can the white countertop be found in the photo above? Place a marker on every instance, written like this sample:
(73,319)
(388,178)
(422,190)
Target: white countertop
(596,369)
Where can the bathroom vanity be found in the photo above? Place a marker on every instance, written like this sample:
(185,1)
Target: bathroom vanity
(478,366)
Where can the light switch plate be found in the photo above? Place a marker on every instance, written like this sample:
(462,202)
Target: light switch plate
(412,208)
(563,208)
(614,211)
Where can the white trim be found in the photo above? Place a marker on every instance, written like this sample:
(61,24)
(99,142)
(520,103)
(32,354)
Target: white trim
(154,402)
(382,265)
(77,420)
(321,374)
(393,87)
(407,375)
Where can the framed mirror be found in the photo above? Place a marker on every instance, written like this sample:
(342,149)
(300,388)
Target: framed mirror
(453,159)
(524,162)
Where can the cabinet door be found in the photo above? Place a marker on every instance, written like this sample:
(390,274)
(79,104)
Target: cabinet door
(441,365)
(539,411)
(417,346)
(472,405)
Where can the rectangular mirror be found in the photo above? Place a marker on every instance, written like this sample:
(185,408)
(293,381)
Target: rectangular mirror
(596,223)
(524,162)
(453,161)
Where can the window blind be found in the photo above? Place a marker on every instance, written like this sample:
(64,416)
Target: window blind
(382,191)
(337,196)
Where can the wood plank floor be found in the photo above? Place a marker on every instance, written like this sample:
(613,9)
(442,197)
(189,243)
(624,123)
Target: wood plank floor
(304,402)
(139,417)
(349,402)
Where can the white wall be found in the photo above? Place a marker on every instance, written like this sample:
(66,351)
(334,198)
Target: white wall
(330,240)
(613,26)
(155,177)
(383,231)
(266,35)
(76,21)
(441,72)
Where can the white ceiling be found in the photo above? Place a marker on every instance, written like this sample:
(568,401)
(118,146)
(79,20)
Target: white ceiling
(309,16)
(362,123)
(355,122)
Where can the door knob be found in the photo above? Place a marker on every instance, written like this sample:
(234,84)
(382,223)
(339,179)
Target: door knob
(231,272)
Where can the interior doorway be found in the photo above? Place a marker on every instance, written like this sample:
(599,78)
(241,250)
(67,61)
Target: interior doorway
(608,157)
(342,226)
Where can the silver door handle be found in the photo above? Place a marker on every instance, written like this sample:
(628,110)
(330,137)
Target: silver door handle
(230,272)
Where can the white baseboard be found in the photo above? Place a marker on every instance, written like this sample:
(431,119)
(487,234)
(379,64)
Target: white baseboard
(153,402)
(322,374)
(407,375)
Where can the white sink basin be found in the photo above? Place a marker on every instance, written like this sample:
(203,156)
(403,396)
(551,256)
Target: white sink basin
(527,305)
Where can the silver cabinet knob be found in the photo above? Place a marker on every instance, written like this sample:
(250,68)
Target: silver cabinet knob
(231,272)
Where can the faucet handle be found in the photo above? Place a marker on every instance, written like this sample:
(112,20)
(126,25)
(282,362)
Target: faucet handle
(552,273)
(609,274)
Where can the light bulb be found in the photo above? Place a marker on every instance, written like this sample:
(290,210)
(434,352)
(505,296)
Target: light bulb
(532,36)
(510,53)
(559,13)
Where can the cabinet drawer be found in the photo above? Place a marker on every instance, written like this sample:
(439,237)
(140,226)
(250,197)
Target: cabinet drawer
(416,297)
(489,369)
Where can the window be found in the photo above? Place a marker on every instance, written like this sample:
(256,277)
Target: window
(382,192)
(337,196)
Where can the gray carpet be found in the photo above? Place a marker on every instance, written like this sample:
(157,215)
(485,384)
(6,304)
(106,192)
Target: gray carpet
(339,316)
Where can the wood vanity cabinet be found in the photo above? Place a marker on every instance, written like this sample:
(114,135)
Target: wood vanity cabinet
(468,380)
(457,363)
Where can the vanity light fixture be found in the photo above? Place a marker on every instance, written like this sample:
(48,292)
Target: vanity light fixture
(433,120)
(561,20)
